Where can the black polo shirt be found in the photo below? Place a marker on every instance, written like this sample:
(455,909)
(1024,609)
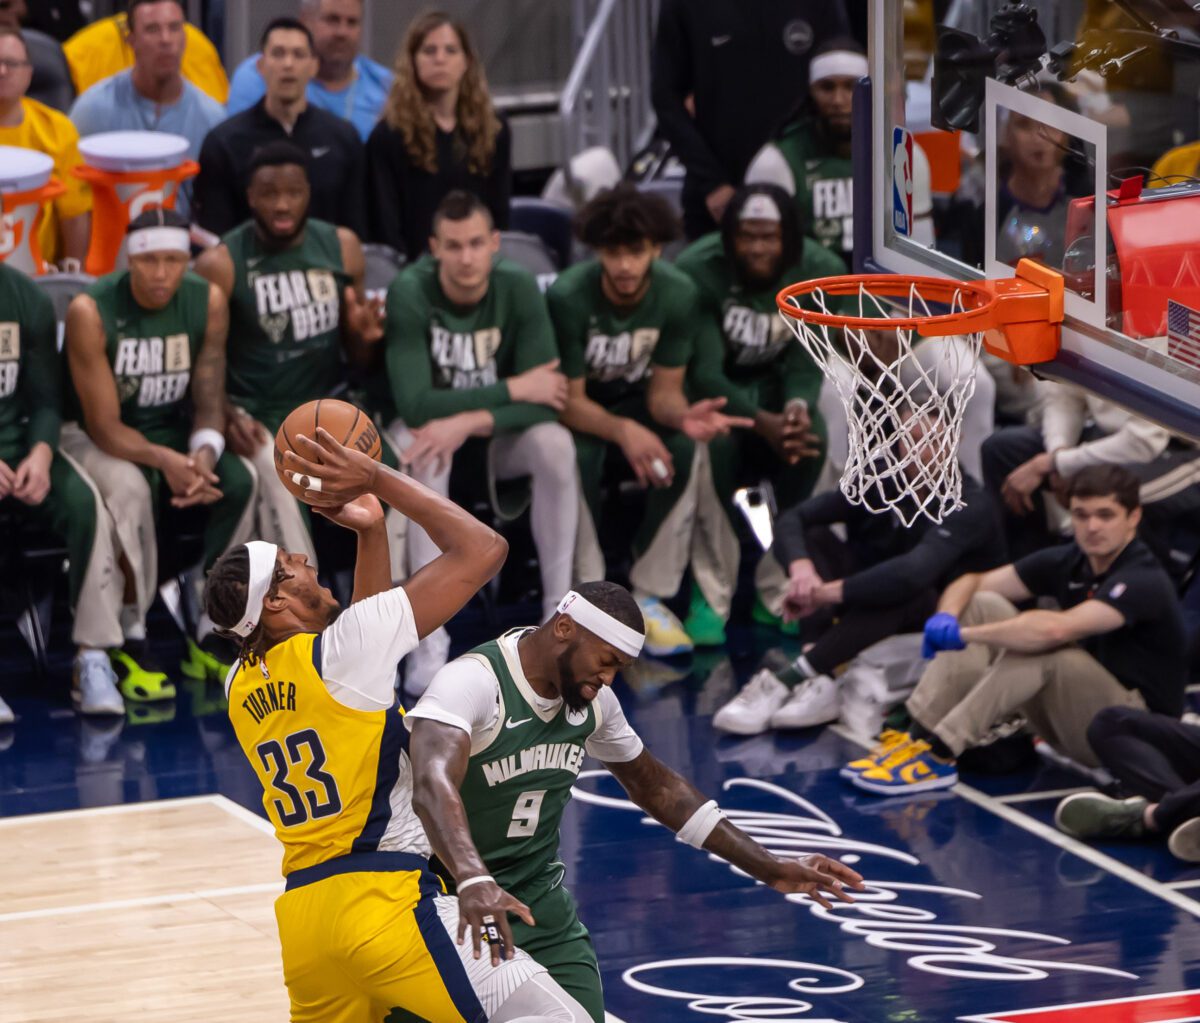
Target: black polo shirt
(336,168)
(1148,652)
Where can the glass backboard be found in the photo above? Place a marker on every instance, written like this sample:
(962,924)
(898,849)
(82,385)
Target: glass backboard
(1065,131)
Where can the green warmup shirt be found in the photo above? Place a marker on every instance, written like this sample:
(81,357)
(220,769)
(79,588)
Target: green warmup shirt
(526,752)
(744,349)
(614,347)
(285,338)
(152,352)
(824,187)
(443,359)
(30,370)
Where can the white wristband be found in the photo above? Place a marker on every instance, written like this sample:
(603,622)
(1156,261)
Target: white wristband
(701,824)
(478,879)
(207,438)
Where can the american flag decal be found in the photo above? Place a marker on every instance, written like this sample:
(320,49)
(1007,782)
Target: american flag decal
(1183,333)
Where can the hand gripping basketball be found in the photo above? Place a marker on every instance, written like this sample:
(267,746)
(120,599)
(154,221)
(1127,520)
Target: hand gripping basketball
(330,474)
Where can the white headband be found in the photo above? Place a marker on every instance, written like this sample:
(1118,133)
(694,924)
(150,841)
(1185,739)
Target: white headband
(262,571)
(839,64)
(158,239)
(760,207)
(602,624)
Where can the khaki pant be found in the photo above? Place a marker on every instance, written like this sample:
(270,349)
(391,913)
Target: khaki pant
(964,692)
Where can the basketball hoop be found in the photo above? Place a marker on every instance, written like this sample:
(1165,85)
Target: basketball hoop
(905,412)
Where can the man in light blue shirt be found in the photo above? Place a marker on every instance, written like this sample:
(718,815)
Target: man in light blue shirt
(348,84)
(152,95)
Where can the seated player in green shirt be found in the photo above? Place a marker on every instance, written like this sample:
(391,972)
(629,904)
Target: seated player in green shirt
(40,485)
(811,159)
(297,313)
(626,324)
(497,744)
(470,353)
(146,352)
(746,354)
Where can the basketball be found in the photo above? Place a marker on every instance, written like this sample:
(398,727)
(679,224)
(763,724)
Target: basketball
(350,426)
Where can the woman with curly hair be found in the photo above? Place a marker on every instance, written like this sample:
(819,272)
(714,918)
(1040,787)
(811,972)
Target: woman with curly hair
(439,132)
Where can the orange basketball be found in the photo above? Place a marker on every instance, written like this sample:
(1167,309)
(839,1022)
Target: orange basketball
(349,425)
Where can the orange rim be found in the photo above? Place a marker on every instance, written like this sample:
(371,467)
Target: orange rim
(978,300)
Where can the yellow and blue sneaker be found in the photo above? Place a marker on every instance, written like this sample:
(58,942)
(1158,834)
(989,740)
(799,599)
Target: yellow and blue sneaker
(910,769)
(890,740)
(665,636)
(138,678)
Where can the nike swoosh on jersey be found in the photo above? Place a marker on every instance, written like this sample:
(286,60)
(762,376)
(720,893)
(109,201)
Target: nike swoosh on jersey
(320,151)
(510,723)
(720,40)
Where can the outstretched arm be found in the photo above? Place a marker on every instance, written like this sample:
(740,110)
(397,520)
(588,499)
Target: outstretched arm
(673,801)
(439,755)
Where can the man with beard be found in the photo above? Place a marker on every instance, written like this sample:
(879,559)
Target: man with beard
(498,740)
(625,323)
(294,288)
(746,354)
(811,157)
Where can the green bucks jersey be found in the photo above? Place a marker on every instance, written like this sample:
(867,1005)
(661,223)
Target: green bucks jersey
(612,346)
(152,352)
(285,339)
(30,402)
(526,753)
(824,187)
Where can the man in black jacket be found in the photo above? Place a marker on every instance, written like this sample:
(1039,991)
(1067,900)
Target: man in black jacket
(883,579)
(337,165)
(742,67)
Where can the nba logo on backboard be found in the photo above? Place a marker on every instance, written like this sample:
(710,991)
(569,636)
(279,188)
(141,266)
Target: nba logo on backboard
(902,181)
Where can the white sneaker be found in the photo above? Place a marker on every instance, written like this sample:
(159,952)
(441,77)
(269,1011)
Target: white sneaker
(426,661)
(95,685)
(749,713)
(812,702)
(7,717)
(1184,842)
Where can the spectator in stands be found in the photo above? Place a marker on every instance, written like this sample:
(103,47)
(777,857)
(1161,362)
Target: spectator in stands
(146,352)
(471,353)
(152,95)
(336,172)
(51,82)
(811,157)
(723,82)
(56,18)
(348,83)
(626,324)
(66,228)
(1022,464)
(746,354)
(882,579)
(103,48)
(294,288)
(1117,641)
(439,133)
(1155,756)
(40,487)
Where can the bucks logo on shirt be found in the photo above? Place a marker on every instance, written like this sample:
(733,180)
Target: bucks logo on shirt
(752,337)
(285,342)
(824,184)
(463,359)
(10,358)
(516,786)
(152,351)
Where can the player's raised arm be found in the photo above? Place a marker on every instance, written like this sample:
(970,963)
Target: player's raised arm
(677,804)
(472,552)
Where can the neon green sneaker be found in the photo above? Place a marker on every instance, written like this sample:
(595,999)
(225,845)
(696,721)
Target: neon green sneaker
(762,615)
(202,664)
(137,683)
(703,624)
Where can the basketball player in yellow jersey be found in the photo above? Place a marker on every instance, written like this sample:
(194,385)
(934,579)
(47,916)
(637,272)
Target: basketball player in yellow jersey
(365,927)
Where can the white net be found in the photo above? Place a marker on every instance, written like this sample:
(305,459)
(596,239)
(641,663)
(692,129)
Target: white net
(904,408)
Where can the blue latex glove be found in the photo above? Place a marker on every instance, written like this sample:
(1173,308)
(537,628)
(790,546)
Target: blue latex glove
(941,633)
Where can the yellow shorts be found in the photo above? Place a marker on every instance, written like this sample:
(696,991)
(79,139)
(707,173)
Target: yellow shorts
(358,944)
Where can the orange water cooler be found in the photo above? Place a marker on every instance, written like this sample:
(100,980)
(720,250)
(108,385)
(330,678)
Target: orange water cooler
(130,172)
(25,188)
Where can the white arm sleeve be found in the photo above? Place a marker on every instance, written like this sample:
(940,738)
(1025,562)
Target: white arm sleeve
(615,741)
(360,651)
(464,694)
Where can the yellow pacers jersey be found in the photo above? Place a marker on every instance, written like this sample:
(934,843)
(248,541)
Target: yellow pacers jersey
(335,780)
